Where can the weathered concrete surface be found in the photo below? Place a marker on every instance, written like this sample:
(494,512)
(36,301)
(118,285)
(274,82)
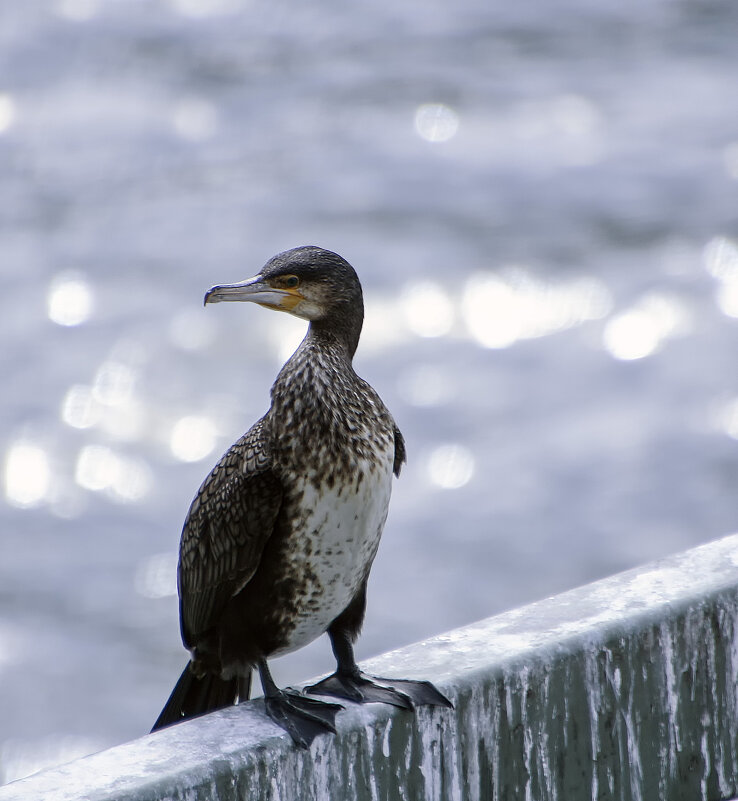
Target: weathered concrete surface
(624,689)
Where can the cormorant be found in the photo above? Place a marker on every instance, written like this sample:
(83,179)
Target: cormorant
(279,540)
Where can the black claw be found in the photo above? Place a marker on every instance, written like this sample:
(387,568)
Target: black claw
(363,689)
(302,718)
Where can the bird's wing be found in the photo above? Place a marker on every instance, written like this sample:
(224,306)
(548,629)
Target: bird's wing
(400,452)
(229,522)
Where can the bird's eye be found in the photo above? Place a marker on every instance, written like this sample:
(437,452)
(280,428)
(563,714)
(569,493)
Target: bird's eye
(291,281)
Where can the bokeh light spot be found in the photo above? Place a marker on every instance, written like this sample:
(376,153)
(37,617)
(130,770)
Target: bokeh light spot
(640,331)
(451,466)
(500,309)
(114,383)
(720,258)
(100,468)
(436,122)
(97,467)
(69,300)
(492,312)
(27,475)
(727,299)
(429,312)
(193,438)
(80,409)
(631,335)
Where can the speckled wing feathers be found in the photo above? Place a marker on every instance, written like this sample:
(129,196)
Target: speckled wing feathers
(229,522)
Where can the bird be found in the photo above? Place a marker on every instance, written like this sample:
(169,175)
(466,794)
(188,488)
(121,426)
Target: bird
(278,543)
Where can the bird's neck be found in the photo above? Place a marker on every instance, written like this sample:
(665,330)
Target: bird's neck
(321,367)
(320,363)
(308,394)
(340,332)
(329,342)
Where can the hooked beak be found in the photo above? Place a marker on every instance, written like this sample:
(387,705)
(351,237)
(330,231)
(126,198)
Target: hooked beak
(255,290)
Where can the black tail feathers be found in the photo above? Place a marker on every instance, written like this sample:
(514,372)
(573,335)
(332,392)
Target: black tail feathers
(193,696)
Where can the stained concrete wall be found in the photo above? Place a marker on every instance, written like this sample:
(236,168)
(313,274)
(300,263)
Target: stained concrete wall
(623,689)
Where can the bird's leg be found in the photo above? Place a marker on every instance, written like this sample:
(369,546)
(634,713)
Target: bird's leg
(302,718)
(350,683)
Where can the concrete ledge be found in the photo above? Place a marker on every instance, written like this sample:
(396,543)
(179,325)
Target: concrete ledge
(623,689)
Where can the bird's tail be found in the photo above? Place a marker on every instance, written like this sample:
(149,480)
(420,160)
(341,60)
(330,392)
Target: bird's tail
(193,696)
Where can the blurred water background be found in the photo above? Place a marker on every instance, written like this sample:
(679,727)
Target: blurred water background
(541,200)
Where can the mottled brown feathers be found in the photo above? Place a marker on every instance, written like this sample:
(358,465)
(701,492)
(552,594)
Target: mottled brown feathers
(323,413)
(230,520)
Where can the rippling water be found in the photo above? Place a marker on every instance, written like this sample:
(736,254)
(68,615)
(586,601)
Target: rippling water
(541,200)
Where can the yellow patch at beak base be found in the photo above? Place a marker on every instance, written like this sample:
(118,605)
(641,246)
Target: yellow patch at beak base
(290,299)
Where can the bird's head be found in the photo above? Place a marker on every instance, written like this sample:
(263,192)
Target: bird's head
(308,282)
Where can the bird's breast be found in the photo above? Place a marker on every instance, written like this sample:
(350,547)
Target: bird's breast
(335,524)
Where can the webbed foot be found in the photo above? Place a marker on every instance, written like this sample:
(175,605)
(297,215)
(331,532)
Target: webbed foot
(302,718)
(363,689)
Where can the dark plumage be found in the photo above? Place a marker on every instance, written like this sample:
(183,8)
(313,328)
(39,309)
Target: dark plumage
(279,540)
